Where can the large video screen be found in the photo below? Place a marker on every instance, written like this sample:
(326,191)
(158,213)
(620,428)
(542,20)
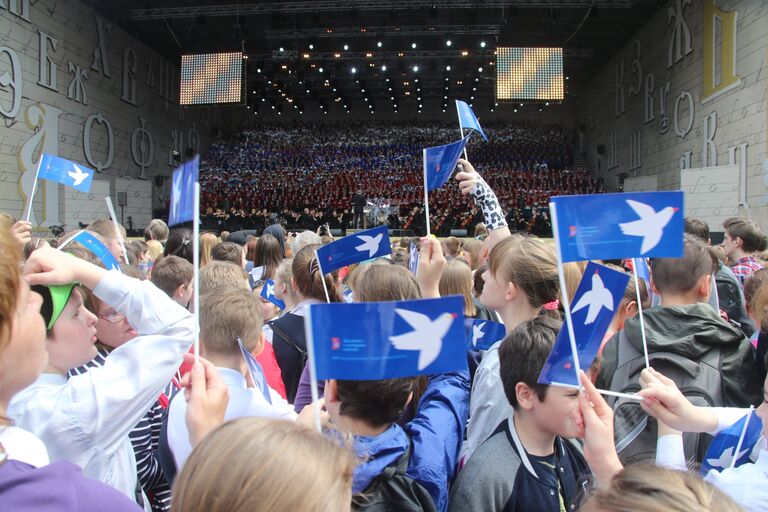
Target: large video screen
(210,78)
(529,74)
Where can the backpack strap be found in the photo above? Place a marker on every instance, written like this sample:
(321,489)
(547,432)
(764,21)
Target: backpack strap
(284,335)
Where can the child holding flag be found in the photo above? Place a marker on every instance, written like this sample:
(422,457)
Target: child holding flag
(746,483)
(86,419)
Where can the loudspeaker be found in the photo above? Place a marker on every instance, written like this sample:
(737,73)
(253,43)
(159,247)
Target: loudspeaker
(459,232)
(159,180)
(600,149)
(122,198)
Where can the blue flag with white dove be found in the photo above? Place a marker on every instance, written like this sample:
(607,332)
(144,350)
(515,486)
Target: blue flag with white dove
(66,172)
(721,452)
(361,246)
(268,292)
(467,118)
(482,334)
(387,340)
(616,226)
(183,192)
(98,249)
(596,300)
(440,161)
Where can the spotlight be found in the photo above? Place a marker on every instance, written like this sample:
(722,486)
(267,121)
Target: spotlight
(311,46)
(448,43)
(413,45)
(346,47)
(258,70)
(354,70)
(480,70)
(383,67)
(320,70)
(447,68)
(482,44)
(378,44)
(415,69)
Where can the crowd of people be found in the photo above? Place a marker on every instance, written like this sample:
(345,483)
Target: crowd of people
(104,407)
(309,175)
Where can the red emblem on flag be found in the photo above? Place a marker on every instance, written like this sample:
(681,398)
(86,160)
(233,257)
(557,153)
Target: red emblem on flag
(572,231)
(335,343)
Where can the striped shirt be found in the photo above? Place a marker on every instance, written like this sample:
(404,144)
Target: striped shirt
(744,267)
(144,438)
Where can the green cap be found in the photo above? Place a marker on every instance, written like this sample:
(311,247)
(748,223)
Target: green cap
(55,297)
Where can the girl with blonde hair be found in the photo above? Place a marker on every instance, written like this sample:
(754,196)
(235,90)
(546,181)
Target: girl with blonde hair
(207,241)
(255,465)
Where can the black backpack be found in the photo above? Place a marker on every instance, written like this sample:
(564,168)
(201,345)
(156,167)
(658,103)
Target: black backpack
(394,491)
(636,432)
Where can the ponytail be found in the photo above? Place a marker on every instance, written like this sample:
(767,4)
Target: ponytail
(309,278)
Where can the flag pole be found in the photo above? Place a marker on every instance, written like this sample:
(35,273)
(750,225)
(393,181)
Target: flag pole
(741,437)
(34,188)
(66,242)
(564,295)
(426,192)
(118,235)
(196,267)
(640,312)
(312,367)
(322,278)
(461,129)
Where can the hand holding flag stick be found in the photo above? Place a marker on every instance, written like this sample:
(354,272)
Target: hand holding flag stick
(430,267)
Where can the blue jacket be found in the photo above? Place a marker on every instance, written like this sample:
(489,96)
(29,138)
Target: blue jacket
(436,431)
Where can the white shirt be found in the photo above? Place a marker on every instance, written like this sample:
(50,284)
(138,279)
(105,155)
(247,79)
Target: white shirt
(747,484)
(243,402)
(23,446)
(86,420)
(488,405)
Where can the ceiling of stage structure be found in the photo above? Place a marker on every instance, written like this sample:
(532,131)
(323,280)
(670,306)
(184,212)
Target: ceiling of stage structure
(382,52)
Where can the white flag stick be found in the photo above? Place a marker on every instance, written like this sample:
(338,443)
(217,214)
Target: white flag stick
(461,129)
(628,396)
(118,235)
(322,278)
(34,188)
(635,262)
(312,367)
(564,295)
(68,240)
(196,267)
(741,437)
(426,192)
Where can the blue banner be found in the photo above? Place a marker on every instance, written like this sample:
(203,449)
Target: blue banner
(723,448)
(440,161)
(98,249)
(183,192)
(467,118)
(387,340)
(71,174)
(616,226)
(482,334)
(597,298)
(268,292)
(361,246)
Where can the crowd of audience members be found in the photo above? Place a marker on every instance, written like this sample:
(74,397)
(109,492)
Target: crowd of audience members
(309,174)
(103,407)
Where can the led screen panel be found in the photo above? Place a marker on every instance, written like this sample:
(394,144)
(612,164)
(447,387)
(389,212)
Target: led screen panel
(210,78)
(529,74)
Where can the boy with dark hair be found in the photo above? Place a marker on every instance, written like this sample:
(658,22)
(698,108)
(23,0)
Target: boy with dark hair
(730,297)
(528,463)
(229,251)
(684,324)
(425,450)
(743,239)
(174,276)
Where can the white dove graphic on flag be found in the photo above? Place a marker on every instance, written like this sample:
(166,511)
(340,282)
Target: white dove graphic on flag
(426,336)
